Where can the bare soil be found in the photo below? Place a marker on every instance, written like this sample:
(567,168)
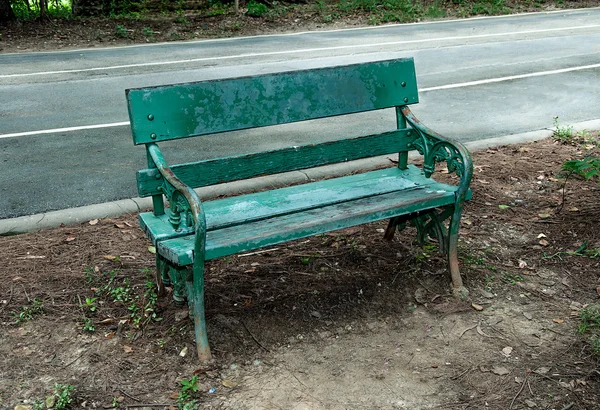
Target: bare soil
(339,321)
(222,21)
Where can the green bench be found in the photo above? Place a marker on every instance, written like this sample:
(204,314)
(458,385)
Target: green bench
(190,232)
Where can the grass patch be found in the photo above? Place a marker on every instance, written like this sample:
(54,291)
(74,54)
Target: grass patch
(589,325)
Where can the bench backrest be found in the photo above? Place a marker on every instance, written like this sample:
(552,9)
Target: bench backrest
(209,107)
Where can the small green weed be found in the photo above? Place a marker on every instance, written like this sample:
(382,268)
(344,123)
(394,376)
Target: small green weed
(63,394)
(426,252)
(37,404)
(512,279)
(88,325)
(256,9)
(185,398)
(27,313)
(109,286)
(120,31)
(90,304)
(562,133)
(148,33)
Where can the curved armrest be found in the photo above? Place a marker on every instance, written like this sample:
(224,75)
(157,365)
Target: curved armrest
(436,148)
(191,197)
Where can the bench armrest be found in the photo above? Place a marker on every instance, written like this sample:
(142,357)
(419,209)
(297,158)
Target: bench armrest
(182,198)
(436,148)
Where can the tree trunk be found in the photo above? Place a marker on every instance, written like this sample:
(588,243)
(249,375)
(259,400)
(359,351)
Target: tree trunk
(6,12)
(43,9)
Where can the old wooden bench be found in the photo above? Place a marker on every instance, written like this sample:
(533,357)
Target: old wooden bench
(190,232)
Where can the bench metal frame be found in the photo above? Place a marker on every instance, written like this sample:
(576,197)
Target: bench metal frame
(211,107)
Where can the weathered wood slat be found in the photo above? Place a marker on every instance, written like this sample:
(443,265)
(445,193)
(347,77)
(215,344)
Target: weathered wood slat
(185,110)
(285,228)
(220,170)
(238,210)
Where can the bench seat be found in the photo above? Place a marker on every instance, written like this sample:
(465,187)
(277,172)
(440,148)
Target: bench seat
(243,223)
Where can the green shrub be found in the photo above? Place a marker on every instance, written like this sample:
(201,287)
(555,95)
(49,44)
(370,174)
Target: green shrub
(256,9)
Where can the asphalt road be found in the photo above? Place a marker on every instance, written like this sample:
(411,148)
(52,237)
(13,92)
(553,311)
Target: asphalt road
(479,78)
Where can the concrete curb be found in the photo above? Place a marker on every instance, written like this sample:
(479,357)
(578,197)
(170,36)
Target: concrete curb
(73,216)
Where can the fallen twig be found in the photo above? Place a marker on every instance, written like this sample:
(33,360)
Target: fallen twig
(254,337)
(128,395)
(467,329)
(258,252)
(519,392)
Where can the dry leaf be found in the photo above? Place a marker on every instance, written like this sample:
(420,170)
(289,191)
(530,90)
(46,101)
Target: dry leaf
(69,239)
(540,236)
(152,249)
(174,395)
(524,149)
(127,349)
(540,177)
(559,321)
(477,307)
(183,352)
(544,216)
(120,226)
(598,290)
(573,209)
(110,257)
(500,371)
(230,384)
(483,181)
(93,222)
(544,242)
(109,335)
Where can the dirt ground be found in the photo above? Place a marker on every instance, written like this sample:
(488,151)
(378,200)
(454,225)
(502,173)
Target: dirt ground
(222,21)
(339,321)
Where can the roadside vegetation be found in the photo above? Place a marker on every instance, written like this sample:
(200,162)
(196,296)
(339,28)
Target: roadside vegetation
(42,24)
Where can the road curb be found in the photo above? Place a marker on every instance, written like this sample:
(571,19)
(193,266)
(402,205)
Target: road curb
(73,216)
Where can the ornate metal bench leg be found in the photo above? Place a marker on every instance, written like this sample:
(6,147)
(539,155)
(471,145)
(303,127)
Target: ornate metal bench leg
(458,289)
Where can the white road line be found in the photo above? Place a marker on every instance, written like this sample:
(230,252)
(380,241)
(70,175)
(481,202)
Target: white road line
(436,88)
(307,50)
(68,129)
(317,32)
(509,78)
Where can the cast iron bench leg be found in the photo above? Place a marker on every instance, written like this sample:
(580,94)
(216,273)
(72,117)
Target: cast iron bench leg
(196,302)
(458,289)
